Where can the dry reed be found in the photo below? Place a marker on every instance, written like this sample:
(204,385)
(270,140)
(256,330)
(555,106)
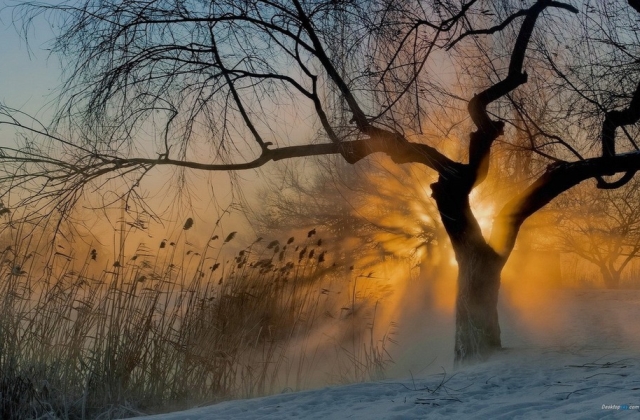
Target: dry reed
(167,329)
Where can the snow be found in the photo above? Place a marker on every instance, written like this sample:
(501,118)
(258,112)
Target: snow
(573,354)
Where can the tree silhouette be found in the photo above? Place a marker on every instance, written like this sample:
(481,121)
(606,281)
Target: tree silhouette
(228,85)
(603,229)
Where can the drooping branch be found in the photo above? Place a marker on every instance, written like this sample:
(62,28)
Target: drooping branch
(234,92)
(358,114)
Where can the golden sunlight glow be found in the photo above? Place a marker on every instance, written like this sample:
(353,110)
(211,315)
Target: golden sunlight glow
(409,230)
(483,210)
(412,248)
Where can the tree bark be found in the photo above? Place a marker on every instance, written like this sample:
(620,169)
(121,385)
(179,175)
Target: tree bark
(477,327)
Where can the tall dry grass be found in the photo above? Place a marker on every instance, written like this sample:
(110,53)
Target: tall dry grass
(174,327)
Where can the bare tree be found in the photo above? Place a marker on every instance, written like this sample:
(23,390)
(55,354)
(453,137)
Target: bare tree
(226,85)
(603,229)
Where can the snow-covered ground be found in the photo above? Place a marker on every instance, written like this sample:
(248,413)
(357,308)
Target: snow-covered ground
(570,354)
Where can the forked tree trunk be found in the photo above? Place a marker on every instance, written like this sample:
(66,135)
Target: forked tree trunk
(477,327)
(479,266)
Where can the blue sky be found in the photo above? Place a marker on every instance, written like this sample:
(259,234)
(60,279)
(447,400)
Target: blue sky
(28,76)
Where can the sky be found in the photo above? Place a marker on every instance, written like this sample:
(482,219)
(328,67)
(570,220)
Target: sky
(28,75)
(30,79)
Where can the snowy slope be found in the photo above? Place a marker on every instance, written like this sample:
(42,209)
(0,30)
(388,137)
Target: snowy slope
(570,355)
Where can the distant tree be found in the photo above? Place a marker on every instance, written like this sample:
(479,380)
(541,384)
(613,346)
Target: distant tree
(229,85)
(368,210)
(603,228)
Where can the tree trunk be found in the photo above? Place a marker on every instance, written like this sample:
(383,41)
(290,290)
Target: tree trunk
(477,327)
(611,278)
(479,268)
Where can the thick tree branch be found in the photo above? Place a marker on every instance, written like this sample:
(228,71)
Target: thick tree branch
(354,151)
(451,194)
(515,76)
(488,129)
(556,180)
(612,121)
(616,119)
(90,165)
